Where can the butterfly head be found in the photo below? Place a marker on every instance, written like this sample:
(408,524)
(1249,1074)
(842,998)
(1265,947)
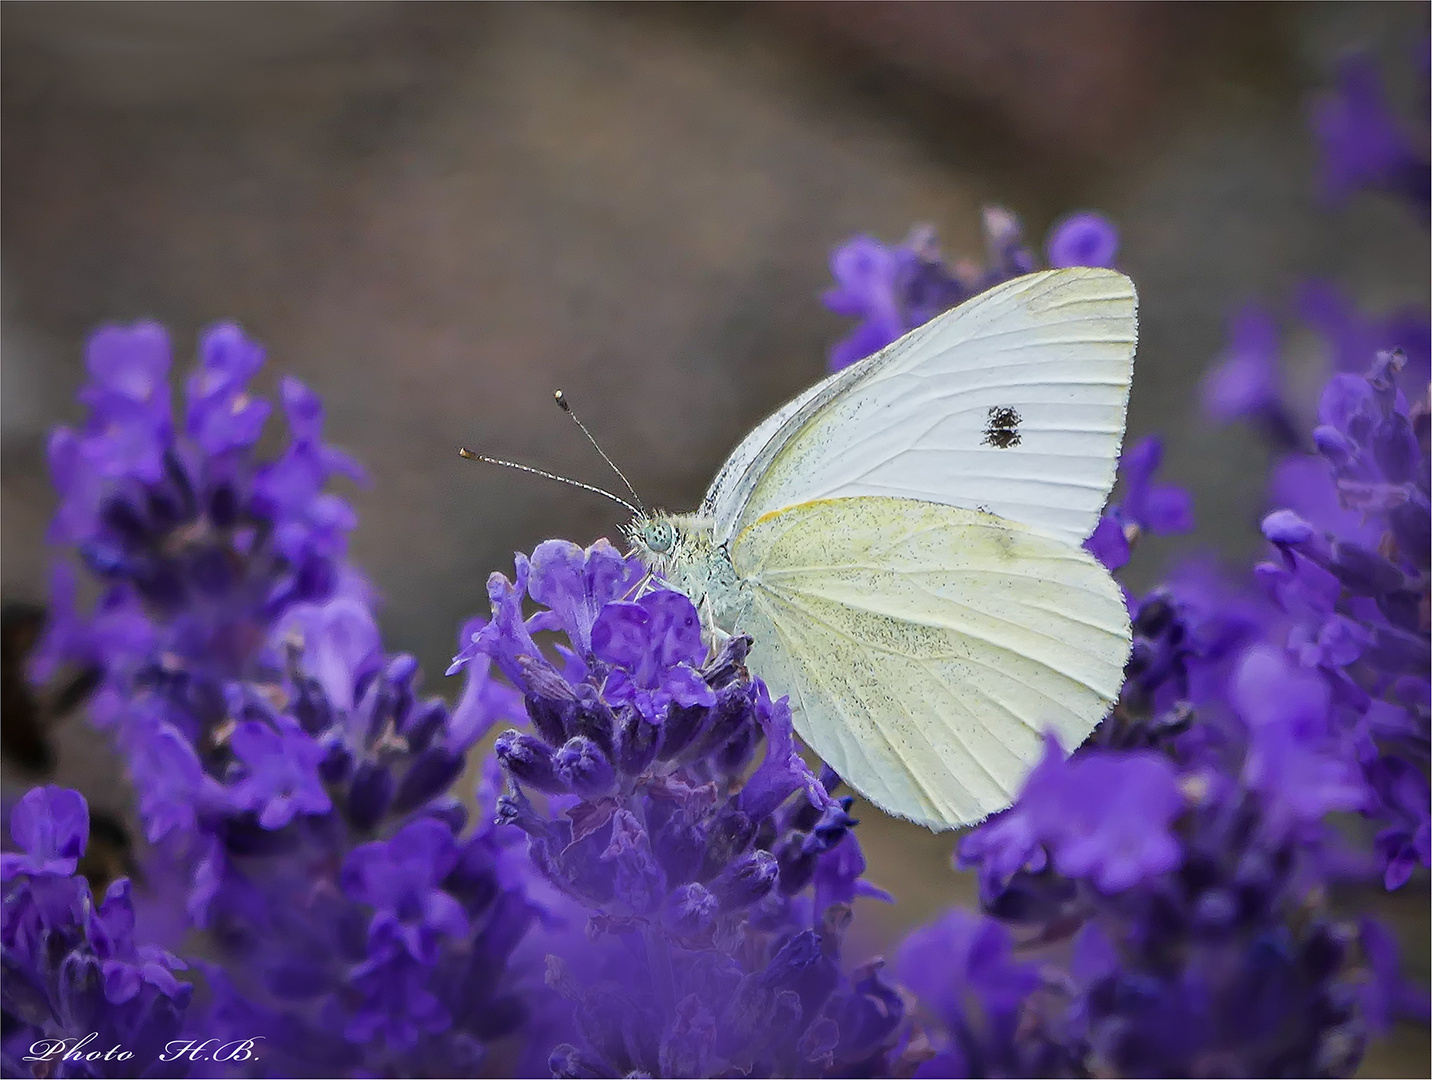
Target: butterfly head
(665,542)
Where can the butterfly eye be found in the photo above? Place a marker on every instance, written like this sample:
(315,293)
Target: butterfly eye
(659,537)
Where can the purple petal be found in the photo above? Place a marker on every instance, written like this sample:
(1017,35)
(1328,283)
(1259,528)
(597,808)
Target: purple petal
(1107,543)
(1247,378)
(674,628)
(51,824)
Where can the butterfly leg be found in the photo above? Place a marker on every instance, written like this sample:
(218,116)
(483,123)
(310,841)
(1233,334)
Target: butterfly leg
(642,587)
(712,634)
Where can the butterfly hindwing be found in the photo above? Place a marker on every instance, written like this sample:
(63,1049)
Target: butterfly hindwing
(926,648)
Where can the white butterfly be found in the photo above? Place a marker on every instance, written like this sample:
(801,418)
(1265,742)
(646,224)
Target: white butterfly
(902,541)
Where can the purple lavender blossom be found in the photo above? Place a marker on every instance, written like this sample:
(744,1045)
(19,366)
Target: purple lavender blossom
(76,982)
(50,825)
(1247,382)
(1353,337)
(1146,506)
(716,896)
(295,785)
(279,772)
(1188,875)
(892,289)
(1356,614)
(868,276)
(1082,240)
(344,887)
(981,1001)
(1363,144)
(401,880)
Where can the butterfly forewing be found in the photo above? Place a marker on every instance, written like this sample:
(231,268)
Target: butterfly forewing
(1013,403)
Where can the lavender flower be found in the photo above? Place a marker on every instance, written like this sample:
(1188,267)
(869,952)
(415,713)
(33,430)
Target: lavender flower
(1145,506)
(1247,381)
(981,1002)
(1363,144)
(1191,874)
(1353,520)
(200,549)
(291,778)
(716,896)
(1356,615)
(1082,240)
(80,998)
(893,289)
(362,923)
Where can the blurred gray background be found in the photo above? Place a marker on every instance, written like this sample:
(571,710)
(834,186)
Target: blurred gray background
(435,214)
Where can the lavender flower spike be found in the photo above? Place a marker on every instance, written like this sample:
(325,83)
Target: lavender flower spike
(715,897)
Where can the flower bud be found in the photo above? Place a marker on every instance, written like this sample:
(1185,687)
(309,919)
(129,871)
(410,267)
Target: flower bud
(1334,446)
(423,722)
(582,766)
(797,865)
(683,723)
(369,796)
(690,910)
(731,711)
(728,835)
(546,717)
(1364,571)
(746,881)
(429,775)
(528,760)
(592,719)
(637,739)
(728,664)
(1288,528)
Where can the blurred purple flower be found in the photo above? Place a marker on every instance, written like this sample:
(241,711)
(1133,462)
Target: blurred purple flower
(280,772)
(963,970)
(399,879)
(868,277)
(50,825)
(1146,506)
(1082,240)
(72,967)
(1247,382)
(270,739)
(1353,338)
(892,289)
(1362,144)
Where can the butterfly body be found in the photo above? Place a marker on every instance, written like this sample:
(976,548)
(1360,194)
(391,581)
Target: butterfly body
(903,543)
(681,550)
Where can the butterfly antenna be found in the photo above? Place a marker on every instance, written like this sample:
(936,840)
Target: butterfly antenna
(465,452)
(562,403)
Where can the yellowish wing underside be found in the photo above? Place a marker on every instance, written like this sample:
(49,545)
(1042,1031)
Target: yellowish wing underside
(927,648)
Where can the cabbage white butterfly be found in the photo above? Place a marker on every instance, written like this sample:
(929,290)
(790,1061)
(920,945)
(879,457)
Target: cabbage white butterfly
(903,542)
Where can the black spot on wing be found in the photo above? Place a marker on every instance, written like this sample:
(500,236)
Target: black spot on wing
(1002,428)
